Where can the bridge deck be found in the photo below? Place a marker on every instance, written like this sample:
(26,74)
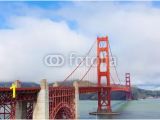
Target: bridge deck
(82,89)
(94,89)
(31,89)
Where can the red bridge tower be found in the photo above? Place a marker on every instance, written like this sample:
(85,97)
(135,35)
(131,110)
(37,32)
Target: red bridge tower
(104,96)
(128,84)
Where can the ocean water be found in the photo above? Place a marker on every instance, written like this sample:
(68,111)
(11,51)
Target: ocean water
(136,109)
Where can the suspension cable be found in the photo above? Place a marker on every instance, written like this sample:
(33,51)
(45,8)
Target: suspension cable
(88,70)
(114,64)
(112,79)
(80,62)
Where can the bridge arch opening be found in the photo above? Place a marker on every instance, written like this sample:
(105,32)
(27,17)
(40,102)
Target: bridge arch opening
(64,111)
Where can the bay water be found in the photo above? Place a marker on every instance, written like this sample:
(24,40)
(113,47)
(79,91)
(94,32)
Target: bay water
(135,109)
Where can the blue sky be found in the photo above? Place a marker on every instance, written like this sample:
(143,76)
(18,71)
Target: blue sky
(18,9)
(132,27)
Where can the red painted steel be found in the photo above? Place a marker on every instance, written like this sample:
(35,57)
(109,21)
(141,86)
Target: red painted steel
(97,89)
(128,84)
(8,103)
(29,109)
(61,102)
(104,95)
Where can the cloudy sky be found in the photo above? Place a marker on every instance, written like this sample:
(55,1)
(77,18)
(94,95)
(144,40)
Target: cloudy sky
(29,31)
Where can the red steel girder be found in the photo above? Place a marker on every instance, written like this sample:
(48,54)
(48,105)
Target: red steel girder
(8,103)
(61,102)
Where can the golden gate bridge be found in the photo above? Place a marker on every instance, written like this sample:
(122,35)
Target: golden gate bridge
(61,101)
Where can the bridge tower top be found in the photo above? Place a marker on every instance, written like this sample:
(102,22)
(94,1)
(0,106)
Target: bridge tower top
(103,58)
(128,81)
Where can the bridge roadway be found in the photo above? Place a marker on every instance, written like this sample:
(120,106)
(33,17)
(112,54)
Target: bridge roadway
(31,93)
(94,89)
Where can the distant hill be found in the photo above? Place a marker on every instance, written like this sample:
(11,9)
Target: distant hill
(70,83)
(143,94)
(24,84)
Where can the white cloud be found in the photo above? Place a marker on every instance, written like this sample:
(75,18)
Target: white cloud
(133,30)
(24,46)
